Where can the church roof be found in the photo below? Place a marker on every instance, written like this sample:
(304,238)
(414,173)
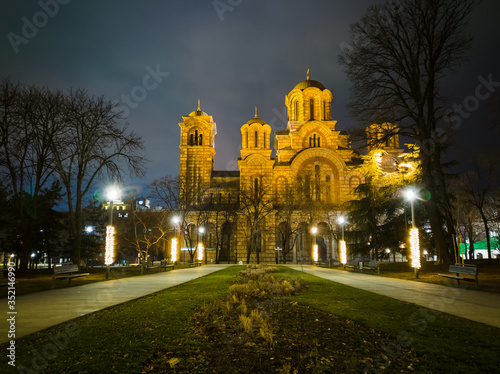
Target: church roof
(309,83)
(198,112)
(255,119)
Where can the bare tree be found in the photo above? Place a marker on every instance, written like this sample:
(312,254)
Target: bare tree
(150,229)
(256,204)
(188,204)
(221,214)
(28,118)
(398,55)
(475,189)
(287,206)
(165,190)
(91,145)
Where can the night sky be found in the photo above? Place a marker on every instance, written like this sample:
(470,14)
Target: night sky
(251,54)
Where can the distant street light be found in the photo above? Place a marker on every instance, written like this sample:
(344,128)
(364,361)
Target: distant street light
(411,195)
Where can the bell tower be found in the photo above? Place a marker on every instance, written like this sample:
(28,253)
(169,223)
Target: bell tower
(198,131)
(255,138)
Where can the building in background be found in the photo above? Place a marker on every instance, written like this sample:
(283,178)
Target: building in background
(270,205)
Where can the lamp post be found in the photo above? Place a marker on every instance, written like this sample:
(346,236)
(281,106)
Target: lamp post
(343,246)
(113,193)
(173,245)
(201,247)
(411,195)
(314,231)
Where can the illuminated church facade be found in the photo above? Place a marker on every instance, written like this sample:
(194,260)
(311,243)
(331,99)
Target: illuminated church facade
(272,203)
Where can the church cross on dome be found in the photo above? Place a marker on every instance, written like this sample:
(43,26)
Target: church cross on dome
(308,73)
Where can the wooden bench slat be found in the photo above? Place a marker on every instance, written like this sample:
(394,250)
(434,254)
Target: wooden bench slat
(466,269)
(67,268)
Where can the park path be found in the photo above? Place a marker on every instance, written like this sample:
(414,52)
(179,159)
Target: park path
(39,310)
(474,305)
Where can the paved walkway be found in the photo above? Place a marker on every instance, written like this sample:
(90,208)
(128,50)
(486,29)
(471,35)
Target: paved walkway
(40,310)
(475,305)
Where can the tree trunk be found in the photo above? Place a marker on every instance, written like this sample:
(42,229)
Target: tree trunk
(486,230)
(431,174)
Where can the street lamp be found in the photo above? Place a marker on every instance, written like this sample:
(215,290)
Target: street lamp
(173,245)
(201,248)
(113,193)
(343,246)
(411,195)
(314,231)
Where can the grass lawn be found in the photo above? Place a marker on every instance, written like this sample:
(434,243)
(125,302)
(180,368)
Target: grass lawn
(129,337)
(445,343)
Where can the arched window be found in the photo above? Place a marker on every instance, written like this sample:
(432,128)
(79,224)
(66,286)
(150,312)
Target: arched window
(256,138)
(264,140)
(247,145)
(191,139)
(256,188)
(201,139)
(296,110)
(311,109)
(196,137)
(314,141)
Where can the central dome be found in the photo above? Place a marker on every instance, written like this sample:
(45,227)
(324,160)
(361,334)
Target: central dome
(309,83)
(197,113)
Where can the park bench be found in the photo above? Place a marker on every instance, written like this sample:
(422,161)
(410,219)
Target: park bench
(194,264)
(68,268)
(165,265)
(153,265)
(369,268)
(460,270)
(353,267)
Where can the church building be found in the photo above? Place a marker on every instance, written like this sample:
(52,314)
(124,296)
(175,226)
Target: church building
(270,206)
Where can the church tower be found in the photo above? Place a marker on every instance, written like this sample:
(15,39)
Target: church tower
(255,138)
(198,131)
